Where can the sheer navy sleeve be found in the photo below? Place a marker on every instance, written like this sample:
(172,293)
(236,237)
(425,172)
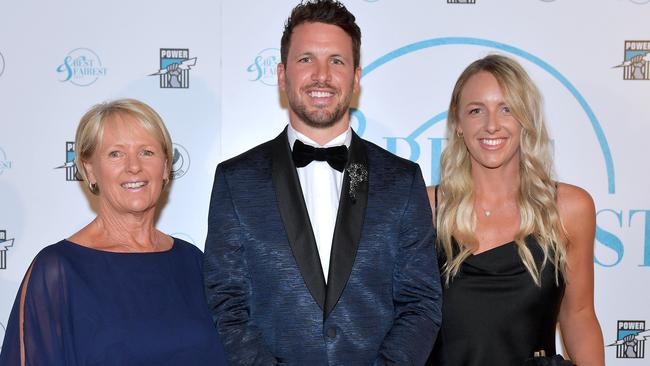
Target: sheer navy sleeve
(41,304)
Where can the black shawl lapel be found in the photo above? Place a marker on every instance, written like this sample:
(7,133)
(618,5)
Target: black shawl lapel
(349,224)
(296,218)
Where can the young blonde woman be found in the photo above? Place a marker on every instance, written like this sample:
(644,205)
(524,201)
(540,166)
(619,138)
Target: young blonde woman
(515,246)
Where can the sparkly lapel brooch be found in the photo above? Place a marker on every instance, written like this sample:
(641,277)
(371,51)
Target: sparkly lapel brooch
(358,174)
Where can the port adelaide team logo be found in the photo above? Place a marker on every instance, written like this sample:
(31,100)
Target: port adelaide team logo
(636,60)
(5,245)
(175,66)
(71,174)
(631,336)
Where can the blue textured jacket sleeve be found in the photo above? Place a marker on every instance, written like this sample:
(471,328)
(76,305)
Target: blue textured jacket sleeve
(227,281)
(417,294)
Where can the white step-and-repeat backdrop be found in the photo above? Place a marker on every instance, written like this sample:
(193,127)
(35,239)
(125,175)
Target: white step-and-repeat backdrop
(591,59)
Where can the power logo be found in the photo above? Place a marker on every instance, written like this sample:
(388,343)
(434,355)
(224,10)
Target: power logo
(630,339)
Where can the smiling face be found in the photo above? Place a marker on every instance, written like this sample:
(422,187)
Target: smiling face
(129,167)
(490,131)
(319,77)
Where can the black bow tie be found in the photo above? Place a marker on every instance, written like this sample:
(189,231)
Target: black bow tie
(336,156)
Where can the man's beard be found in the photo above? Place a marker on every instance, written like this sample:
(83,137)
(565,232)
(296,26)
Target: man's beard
(319,118)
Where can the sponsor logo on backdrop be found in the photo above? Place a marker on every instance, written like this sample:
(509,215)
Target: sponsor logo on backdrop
(5,245)
(636,60)
(81,67)
(461,1)
(180,161)
(630,339)
(640,2)
(2,64)
(265,67)
(175,66)
(71,173)
(5,164)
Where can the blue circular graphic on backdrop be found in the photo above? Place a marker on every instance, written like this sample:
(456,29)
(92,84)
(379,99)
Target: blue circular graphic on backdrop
(360,118)
(446,41)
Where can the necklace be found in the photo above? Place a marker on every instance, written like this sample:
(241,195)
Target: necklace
(488,213)
(502,204)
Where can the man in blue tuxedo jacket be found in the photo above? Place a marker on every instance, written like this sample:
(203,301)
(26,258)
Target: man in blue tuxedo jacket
(320,244)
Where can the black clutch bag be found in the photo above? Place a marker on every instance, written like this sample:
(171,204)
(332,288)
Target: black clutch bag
(541,360)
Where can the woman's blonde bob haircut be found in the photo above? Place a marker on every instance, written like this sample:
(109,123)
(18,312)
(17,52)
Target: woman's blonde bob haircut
(91,127)
(536,198)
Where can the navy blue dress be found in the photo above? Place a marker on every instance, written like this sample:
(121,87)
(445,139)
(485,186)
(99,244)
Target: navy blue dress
(91,307)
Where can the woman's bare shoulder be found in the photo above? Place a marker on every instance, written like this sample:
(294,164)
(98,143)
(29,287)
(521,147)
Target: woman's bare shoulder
(574,200)
(577,211)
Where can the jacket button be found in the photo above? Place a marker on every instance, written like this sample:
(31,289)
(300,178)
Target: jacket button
(331,332)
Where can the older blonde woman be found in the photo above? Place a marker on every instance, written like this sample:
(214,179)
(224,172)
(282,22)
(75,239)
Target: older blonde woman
(119,291)
(516,246)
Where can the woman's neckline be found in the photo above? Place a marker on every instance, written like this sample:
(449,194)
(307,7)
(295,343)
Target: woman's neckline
(114,252)
(493,248)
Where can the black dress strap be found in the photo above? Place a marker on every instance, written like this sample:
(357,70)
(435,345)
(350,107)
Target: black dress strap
(435,200)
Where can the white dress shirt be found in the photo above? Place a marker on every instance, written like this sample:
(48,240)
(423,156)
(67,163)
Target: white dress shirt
(321,187)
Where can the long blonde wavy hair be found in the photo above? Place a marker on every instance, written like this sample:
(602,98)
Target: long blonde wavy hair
(536,197)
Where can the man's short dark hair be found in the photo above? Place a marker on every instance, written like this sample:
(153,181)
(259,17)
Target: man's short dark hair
(322,11)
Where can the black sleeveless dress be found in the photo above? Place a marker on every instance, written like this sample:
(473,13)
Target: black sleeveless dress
(493,314)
